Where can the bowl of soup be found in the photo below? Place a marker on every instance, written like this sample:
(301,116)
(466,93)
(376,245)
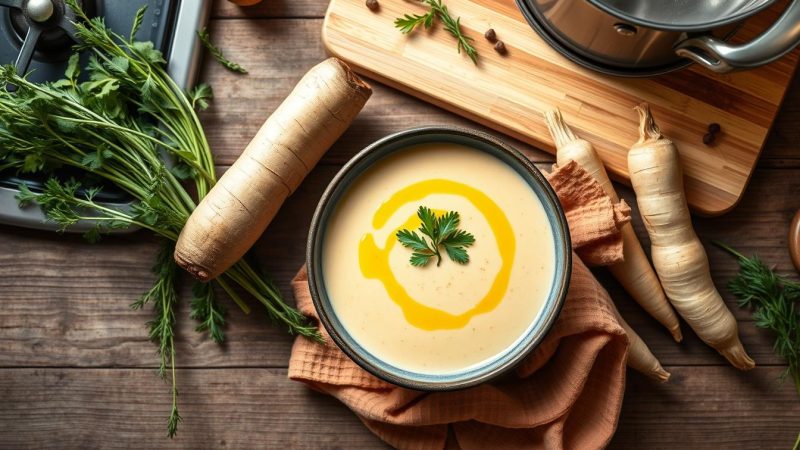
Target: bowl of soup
(461,316)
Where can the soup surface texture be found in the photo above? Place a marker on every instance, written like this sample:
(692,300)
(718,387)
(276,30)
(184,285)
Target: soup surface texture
(444,318)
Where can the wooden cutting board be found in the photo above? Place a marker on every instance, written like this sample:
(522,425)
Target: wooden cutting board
(509,93)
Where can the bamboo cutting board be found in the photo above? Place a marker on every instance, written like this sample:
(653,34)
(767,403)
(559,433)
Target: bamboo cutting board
(509,93)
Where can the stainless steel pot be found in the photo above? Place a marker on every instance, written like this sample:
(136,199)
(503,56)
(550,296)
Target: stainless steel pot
(652,37)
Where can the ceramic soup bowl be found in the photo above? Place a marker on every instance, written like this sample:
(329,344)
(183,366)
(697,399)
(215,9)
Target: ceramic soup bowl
(449,323)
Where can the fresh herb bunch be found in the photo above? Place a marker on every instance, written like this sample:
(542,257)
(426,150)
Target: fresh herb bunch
(117,125)
(773,300)
(443,232)
(409,22)
(216,52)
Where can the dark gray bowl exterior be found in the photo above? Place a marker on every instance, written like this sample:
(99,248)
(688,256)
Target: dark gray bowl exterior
(353,169)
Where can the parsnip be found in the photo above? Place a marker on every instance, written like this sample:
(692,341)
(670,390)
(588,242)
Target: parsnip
(233,215)
(635,273)
(678,256)
(640,358)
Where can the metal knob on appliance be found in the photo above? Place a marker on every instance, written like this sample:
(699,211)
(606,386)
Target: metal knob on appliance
(39,10)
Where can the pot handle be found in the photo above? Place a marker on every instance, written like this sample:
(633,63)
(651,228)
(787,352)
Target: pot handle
(721,57)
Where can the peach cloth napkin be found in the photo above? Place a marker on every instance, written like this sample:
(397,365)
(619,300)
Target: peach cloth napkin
(566,394)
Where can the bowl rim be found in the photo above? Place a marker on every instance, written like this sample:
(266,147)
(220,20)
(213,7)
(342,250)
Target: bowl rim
(525,344)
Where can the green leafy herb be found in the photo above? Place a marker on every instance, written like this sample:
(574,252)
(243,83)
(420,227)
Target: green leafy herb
(773,300)
(442,231)
(207,311)
(164,297)
(409,22)
(137,22)
(105,126)
(215,51)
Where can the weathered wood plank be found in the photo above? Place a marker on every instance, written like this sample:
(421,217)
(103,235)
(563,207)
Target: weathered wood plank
(123,408)
(781,148)
(705,407)
(77,314)
(728,410)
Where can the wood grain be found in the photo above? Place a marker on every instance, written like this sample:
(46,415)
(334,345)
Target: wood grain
(101,408)
(746,411)
(511,92)
(76,369)
(124,408)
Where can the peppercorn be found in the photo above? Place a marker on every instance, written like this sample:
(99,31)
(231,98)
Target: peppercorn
(373,5)
(708,138)
(714,128)
(500,47)
(490,35)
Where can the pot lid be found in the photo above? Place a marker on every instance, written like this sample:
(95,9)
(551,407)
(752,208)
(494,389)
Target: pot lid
(682,15)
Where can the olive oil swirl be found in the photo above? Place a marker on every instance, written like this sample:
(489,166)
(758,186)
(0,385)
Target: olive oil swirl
(374,261)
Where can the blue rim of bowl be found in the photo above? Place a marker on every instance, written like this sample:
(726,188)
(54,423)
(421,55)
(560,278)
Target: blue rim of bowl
(480,372)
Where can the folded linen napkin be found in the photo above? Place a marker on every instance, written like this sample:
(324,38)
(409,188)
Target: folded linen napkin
(566,394)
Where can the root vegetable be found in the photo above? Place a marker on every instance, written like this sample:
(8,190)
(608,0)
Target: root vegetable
(244,201)
(640,358)
(678,255)
(635,273)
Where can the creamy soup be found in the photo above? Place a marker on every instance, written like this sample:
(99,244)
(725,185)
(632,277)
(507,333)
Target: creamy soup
(442,318)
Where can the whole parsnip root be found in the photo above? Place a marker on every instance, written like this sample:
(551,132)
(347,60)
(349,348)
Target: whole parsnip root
(679,257)
(640,358)
(233,215)
(635,273)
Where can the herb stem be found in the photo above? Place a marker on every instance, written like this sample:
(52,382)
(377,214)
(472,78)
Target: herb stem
(174,416)
(728,248)
(233,295)
(408,23)
(112,125)
(217,53)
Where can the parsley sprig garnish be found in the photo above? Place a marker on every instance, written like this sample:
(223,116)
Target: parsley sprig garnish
(409,22)
(443,232)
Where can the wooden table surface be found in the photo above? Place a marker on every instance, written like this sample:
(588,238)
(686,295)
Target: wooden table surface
(77,370)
